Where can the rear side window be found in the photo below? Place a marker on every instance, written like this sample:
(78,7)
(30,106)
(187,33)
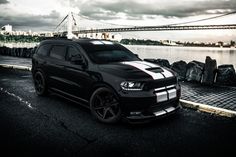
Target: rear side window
(58,52)
(72,52)
(43,50)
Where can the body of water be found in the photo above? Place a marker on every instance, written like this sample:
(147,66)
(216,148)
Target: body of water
(173,54)
(18,45)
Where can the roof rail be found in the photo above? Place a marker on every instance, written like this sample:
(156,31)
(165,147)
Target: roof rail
(56,38)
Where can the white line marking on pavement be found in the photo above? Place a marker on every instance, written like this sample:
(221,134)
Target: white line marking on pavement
(18,98)
(16,67)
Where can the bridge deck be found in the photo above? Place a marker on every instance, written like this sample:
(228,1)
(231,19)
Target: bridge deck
(157,28)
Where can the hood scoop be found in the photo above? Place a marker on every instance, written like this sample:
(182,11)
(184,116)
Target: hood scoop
(155,69)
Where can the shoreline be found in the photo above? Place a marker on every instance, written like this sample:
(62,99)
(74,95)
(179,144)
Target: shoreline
(33,44)
(176,46)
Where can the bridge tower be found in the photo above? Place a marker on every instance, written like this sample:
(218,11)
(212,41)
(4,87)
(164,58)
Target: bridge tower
(70,35)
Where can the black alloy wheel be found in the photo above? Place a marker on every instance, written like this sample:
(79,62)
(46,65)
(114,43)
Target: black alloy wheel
(104,105)
(40,84)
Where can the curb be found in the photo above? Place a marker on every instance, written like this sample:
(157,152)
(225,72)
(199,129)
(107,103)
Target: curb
(15,67)
(208,109)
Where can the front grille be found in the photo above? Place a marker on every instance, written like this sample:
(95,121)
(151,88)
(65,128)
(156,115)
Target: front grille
(160,83)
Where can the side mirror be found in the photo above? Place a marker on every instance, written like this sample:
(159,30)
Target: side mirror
(77,60)
(136,55)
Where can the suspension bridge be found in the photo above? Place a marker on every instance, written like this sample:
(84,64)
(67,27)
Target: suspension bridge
(71,28)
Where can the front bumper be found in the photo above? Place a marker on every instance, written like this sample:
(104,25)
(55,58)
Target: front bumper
(150,104)
(154,111)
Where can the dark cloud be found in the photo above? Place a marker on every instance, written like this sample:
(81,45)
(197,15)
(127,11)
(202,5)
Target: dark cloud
(119,9)
(31,21)
(172,8)
(4,2)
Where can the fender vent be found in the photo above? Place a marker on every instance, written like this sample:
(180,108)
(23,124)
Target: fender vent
(155,70)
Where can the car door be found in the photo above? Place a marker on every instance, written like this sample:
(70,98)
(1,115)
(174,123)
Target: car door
(55,67)
(77,73)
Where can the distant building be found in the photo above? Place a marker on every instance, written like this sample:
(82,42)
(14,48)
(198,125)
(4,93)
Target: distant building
(46,34)
(169,42)
(7,28)
(116,37)
(106,36)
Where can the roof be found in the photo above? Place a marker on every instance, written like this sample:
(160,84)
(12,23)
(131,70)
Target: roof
(79,41)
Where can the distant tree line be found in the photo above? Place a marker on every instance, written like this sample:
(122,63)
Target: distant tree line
(20,38)
(139,42)
(179,43)
(202,44)
(29,39)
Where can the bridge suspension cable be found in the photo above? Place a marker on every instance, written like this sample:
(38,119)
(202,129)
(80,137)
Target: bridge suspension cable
(204,19)
(130,28)
(89,18)
(61,22)
(182,23)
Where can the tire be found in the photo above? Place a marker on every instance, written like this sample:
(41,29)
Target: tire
(40,84)
(104,105)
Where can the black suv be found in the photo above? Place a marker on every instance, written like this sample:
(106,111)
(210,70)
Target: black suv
(106,77)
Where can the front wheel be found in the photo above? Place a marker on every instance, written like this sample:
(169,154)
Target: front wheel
(40,83)
(104,105)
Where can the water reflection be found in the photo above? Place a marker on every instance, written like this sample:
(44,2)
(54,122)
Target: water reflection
(222,55)
(18,45)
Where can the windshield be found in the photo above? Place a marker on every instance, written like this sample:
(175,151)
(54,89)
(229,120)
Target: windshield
(102,54)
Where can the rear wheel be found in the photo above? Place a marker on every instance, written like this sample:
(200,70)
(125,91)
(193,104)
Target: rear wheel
(40,84)
(104,105)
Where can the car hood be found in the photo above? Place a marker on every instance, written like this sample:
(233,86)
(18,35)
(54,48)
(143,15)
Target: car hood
(136,70)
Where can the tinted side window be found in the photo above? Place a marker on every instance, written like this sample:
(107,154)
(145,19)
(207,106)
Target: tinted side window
(58,52)
(72,52)
(43,50)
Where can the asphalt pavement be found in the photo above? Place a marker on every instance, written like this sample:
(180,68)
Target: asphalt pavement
(51,126)
(6,60)
(213,99)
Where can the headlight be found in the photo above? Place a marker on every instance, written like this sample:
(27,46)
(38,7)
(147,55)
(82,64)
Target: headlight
(131,86)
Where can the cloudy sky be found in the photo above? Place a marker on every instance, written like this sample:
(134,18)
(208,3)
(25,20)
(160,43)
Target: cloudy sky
(44,15)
